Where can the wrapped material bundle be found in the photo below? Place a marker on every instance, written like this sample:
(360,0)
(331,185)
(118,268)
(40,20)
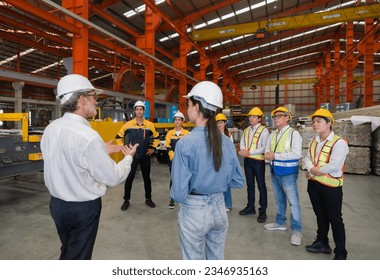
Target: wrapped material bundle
(358,136)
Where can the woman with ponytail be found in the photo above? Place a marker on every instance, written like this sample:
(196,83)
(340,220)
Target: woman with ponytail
(204,166)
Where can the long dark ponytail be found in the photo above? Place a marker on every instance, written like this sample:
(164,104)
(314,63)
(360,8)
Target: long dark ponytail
(214,139)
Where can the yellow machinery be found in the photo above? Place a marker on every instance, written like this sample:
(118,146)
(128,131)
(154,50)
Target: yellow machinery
(19,152)
(108,129)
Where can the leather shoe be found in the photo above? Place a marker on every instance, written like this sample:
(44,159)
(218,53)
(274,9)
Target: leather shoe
(318,247)
(247,211)
(125,205)
(150,203)
(339,257)
(262,217)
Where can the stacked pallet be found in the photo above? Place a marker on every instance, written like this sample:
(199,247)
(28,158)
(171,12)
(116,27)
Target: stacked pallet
(308,134)
(359,139)
(375,151)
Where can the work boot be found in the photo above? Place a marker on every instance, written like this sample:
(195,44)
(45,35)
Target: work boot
(318,247)
(262,217)
(125,205)
(247,211)
(150,203)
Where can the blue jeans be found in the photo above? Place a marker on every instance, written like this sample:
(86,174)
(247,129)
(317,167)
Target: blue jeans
(202,226)
(228,198)
(285,189)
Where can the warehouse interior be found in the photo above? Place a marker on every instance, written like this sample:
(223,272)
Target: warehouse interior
(300,54)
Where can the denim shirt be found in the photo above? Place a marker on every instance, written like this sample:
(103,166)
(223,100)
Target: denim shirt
(193,167)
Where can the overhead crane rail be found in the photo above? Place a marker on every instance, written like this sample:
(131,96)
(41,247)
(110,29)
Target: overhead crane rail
(288,23)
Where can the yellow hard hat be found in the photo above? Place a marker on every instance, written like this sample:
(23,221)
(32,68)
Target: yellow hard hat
(221,117)
(280,109)
(323,113)
(256,111)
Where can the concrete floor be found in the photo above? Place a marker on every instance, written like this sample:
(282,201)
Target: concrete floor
(28,232)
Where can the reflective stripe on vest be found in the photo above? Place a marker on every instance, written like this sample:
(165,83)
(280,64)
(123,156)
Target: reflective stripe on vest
(323,159)
(254,142)
(283,167)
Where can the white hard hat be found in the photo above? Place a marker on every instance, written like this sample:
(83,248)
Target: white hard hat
(139,103)
(208,93)
(72,83)
(179,114)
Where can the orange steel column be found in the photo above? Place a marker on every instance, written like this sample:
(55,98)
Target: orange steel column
(319,87)
(286,89)
(181,64)
(349,62)
(147,43)
(327,83)
(336,71)
(79,41)
(215,78)
(368,52)
(236,100)
(225,83)
(204,63)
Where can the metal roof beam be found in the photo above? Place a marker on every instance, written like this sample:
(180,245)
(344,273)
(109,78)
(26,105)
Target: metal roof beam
(41,14)
(287,23)
(115,38)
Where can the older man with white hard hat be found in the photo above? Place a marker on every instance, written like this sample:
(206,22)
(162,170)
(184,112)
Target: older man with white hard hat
(77,167)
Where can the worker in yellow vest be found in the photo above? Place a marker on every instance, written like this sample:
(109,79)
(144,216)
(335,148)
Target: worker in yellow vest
(221,123)
(283,150)
(325,163)
(252,148)
(171,140)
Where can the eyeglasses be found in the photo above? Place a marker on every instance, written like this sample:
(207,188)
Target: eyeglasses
(94,94)
(278,116)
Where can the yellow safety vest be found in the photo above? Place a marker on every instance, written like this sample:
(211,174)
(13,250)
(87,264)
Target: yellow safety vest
(323,159)
(283,167)
(254,142)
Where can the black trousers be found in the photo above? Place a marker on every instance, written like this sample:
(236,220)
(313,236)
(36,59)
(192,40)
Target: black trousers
(255,169)
(77,225)
(327,206)
(170,163)
(144,163)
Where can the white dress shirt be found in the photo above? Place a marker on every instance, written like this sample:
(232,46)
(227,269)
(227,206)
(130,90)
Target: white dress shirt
(77,166)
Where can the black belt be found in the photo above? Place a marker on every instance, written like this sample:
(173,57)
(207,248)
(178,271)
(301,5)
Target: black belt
(194,193)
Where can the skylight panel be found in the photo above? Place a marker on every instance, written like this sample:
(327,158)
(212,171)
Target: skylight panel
(9,59)
(140,9)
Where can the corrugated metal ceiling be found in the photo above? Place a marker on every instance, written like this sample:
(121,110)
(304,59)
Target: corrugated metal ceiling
(245,59)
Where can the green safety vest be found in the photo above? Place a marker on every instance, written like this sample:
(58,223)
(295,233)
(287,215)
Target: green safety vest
(283,167)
